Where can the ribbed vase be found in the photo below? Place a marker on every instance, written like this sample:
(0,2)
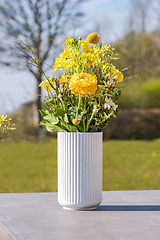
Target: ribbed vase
(79,170)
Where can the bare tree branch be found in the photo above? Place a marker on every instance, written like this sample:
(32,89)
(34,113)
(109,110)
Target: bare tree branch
(37,23)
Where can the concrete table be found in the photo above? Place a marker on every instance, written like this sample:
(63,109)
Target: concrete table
(123,215)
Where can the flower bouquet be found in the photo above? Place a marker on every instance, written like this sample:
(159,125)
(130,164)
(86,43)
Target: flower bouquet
(84,97)
(78,106)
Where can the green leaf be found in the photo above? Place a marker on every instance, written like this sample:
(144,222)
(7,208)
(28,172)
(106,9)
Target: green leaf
(68,127)
(50,117)
(54,128)
(44,123)
(51,127)
(60,112)
(44,113)
(80,128)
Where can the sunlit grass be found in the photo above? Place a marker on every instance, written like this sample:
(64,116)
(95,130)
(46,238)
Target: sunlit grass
(28,167)
(131,165)
(32,167)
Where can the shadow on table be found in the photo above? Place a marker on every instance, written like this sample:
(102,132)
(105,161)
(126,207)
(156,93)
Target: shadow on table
(128,208)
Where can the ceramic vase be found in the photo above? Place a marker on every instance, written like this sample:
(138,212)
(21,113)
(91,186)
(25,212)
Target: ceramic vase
(79,170)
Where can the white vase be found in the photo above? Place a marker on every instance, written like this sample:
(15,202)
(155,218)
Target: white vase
(79,170)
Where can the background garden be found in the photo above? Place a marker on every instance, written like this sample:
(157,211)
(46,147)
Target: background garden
(131,149)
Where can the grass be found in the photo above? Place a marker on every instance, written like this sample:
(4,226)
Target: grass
(32,167)
(131,165)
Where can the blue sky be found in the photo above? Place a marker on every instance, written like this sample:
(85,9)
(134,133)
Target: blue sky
(19,87)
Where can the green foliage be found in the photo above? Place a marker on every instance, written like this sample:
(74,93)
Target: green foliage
(49,117)
(56,122)
(5,124)
(127,165)
(67,127)
(140,94)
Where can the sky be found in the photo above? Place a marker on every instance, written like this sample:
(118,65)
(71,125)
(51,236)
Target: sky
(17,87)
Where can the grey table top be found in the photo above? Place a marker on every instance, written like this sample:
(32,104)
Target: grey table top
(123,215)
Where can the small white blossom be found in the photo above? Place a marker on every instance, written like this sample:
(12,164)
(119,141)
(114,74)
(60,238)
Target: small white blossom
(110,78)
(115,107)
(95,108)
(109,103)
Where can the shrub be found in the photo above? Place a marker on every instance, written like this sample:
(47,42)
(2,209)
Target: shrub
(140,94)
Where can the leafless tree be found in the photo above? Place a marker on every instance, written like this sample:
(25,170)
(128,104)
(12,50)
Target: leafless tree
(140,11)
(39,24)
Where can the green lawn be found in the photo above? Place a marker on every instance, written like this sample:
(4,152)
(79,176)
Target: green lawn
(32,167)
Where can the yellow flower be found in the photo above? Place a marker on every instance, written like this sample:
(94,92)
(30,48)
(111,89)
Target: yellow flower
(3,119)
(88,59)
(93,38)
(46,84)
(66,54)
(116,74)
(68,41)
(57,64)
(64,79)
(85,46)
(118,77)
(82,84)
(65,60)
(76,121)
(69,75)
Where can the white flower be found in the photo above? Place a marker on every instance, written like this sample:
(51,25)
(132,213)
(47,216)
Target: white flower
(94,110)
(109,103)
(110,78)
(114,107)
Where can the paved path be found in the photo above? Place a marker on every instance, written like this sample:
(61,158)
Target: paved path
(123,215)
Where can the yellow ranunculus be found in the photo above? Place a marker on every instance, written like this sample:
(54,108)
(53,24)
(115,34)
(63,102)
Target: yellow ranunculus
(93,38)
(82,84)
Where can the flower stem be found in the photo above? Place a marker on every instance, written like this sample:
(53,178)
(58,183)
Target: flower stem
(79,103)
(63,104)
(84,128)
(89,121)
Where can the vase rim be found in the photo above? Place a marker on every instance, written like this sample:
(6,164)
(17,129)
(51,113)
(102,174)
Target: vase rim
(80,132)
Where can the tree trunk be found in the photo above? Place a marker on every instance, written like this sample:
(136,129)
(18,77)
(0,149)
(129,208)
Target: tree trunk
(40,129)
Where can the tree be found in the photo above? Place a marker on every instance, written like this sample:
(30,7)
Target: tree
(140,9)
(37,23)
(138,44)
